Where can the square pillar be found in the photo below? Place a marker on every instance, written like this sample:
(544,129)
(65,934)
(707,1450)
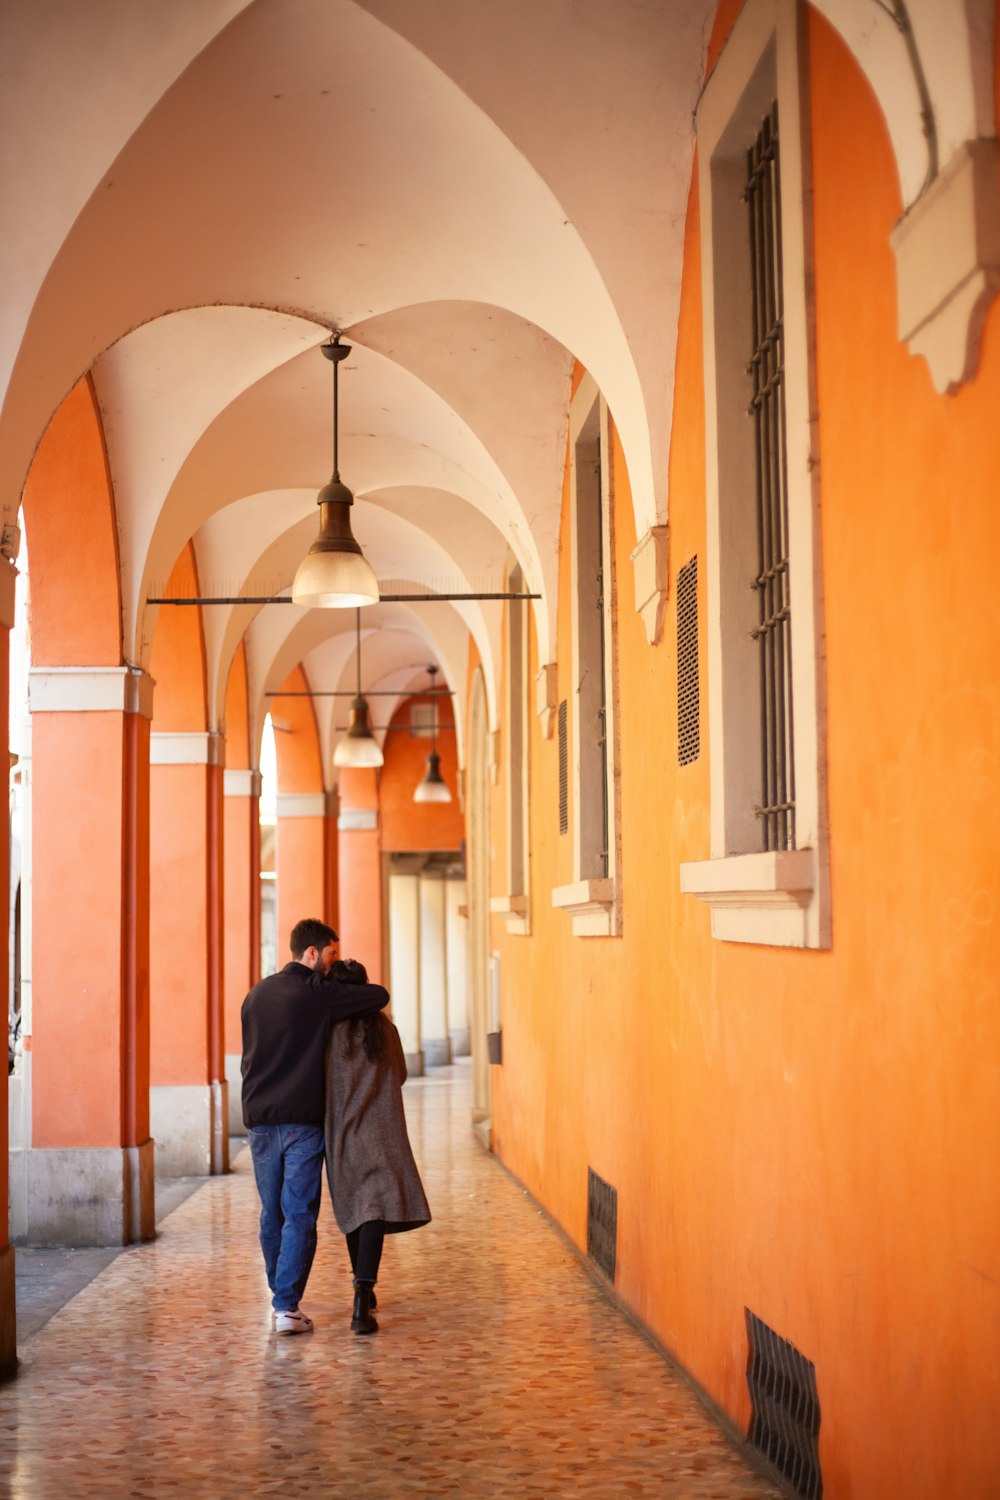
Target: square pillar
(86,1171)
(188,1095)
(241,942)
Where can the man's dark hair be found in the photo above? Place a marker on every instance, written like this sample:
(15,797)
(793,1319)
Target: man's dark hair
(310,933)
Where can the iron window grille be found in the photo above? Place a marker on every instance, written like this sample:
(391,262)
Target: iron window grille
(602,708)
(688,692)
(563,768)
(767,409)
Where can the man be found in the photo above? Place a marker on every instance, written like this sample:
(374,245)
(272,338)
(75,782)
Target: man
(286,1024)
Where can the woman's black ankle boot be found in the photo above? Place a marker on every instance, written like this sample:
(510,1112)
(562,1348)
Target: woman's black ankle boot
(362,1321)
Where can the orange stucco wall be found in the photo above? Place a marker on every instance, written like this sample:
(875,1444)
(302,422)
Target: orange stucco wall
(75,596)
(805,1133)
(409,825)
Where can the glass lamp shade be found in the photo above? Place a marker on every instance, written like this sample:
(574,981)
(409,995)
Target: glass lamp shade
(334,573)
(433,788)
(357,747)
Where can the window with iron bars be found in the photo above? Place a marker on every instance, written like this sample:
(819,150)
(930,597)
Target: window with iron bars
(776,809)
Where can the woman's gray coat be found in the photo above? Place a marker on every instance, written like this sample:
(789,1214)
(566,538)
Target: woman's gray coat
(369,1163)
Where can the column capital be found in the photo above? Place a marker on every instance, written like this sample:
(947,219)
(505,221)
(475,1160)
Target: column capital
(171,748)
(241,783)
(301,804)
(127,690)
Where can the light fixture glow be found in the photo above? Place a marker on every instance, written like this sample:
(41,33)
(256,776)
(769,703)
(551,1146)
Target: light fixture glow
(433,788)
(358,747)
(334,573)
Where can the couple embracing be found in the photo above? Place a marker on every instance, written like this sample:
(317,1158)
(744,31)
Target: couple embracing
(322,1075)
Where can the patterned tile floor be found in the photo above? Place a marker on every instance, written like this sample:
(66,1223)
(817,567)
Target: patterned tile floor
(162,1378)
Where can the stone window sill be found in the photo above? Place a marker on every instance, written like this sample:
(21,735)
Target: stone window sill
(516,911)
(757,898)
(590,905)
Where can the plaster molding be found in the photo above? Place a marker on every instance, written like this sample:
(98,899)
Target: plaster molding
(186,749)
(357,819)
(546,702)
(301,805)
(948,264)
(90,690)
(652,584)
(590,904)
(241,783)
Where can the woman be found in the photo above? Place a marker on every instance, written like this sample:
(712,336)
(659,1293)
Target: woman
(374,1182)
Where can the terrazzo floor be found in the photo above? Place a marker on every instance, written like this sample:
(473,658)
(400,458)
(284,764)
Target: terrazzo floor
(500,1368)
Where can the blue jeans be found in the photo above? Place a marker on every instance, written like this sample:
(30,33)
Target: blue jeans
(288,1167)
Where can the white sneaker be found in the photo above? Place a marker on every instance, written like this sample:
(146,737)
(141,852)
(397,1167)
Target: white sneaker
(292,1322)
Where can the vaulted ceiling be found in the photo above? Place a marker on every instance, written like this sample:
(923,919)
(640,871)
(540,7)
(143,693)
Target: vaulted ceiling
(477,192)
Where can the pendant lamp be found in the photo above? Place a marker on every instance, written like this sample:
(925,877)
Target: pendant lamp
(433,788)
(334,573)
(358,747)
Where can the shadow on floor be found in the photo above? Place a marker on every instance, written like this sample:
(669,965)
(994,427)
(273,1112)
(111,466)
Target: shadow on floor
(48,1277)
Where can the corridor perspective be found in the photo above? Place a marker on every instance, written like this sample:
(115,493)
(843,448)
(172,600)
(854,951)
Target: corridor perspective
(517,482)
(499,1369)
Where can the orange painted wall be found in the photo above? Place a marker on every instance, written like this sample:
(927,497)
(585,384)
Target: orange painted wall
(177,661)
(75,596)
(806,1133)
(409,825)
(296,738)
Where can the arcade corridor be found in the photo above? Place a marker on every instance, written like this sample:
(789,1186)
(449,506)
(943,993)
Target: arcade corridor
(499,1369)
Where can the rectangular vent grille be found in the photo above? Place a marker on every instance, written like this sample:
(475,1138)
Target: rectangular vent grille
(602,1223)
(563,770)
(784,1424)
(688,702)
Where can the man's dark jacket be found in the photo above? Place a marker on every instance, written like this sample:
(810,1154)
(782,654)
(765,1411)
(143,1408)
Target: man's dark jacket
(286,1026)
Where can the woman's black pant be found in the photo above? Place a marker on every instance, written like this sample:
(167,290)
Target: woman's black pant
(364,1245)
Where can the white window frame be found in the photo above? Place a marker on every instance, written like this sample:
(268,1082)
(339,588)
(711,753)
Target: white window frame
(782,897)
(593,902)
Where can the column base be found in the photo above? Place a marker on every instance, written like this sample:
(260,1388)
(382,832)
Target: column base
(414,1064)
(8,1315)
(86,1195)
(437,1054)
(186,1122)
(220,1128)
(461,1044)
(234,1079)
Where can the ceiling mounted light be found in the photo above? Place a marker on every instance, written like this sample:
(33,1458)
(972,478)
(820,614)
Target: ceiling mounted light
(433,788)
(334,573)
(358,747)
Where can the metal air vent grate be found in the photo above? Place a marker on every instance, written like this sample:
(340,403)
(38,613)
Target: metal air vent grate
(784,1424)
(602,1223)
(563,769)
(688,701)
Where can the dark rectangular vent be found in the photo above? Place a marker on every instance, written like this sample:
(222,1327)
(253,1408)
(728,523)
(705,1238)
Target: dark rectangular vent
(602,1223)
(784,1423)
(563,770)
(688,702)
